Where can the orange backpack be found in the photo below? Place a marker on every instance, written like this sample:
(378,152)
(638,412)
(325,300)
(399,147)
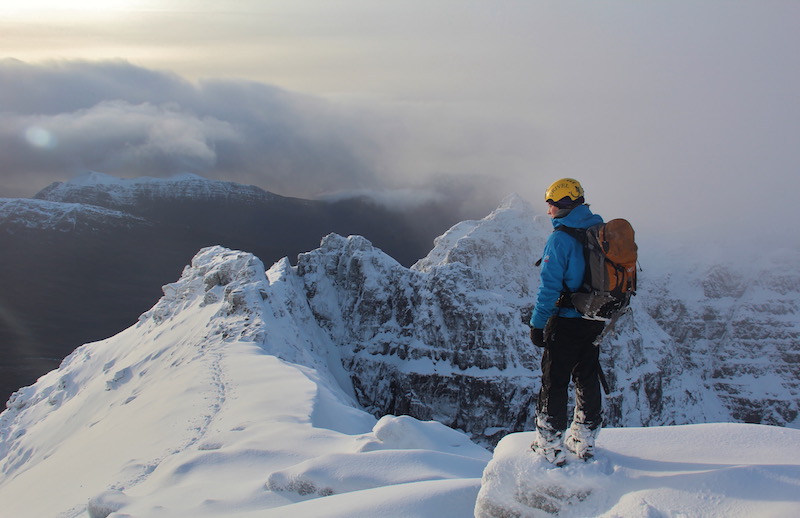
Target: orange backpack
(610,279)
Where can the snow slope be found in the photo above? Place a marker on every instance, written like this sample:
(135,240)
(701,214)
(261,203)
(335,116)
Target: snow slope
(194,411)
(707,470)
(228,399)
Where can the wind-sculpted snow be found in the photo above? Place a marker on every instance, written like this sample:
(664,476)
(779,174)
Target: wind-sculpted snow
(749,479)
(407,450)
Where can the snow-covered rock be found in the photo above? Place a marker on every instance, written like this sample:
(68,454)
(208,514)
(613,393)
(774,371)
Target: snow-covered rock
(734,470)
(734,329)
(444,340)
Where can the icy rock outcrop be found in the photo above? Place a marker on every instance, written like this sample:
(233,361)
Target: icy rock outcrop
(444,340)
(436,345)
(106,503)
(520,484)
(447,339)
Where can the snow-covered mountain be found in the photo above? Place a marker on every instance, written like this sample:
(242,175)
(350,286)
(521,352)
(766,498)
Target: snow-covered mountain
(443,340)
(446,339)
(86,257)
(702,344)
(243,392)
(94,188)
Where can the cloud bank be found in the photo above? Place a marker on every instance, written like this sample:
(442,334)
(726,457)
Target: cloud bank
(64,118)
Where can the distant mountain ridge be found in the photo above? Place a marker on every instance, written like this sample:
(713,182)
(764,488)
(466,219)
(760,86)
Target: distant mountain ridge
(94,188)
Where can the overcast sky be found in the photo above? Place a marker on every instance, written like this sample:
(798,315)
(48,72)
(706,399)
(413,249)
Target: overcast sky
(673,114)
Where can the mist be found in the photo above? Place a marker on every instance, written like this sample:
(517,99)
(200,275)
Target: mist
(678,116)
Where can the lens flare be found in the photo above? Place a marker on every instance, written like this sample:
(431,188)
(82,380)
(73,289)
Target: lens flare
(40,137)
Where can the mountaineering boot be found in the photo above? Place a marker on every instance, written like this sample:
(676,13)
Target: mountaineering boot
(549,445)
(580,440)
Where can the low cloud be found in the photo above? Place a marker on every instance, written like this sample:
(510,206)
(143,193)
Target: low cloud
(704,153)
(64,118)
(114,136)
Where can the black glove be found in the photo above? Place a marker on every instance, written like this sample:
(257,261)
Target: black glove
(537,337)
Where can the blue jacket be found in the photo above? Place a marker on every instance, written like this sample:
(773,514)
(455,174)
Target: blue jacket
(562,264)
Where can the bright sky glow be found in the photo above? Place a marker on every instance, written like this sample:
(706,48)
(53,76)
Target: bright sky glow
(43,6)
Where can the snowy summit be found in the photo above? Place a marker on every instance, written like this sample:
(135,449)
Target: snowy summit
(243,391)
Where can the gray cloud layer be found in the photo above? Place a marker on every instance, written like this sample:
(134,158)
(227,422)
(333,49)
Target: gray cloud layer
(67,117)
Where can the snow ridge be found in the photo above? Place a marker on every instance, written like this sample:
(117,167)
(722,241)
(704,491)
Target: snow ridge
(216,374)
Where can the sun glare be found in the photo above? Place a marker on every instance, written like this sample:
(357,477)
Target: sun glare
(40,6)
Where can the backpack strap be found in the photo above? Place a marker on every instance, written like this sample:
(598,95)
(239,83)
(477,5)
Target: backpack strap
(565,300)
(580,235)
(577,233)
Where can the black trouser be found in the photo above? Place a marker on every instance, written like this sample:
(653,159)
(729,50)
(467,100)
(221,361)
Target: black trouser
(571,353)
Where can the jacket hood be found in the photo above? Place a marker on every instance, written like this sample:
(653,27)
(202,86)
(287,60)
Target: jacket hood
(579,217)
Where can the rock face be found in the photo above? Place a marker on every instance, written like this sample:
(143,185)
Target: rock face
(735,325)
(447,339)
(444,340)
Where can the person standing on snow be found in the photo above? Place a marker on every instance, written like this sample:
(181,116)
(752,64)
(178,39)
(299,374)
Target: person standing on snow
(566,336)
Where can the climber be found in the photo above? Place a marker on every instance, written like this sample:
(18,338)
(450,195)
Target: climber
(567,338)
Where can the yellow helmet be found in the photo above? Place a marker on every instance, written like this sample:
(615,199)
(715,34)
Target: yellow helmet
(564,188)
